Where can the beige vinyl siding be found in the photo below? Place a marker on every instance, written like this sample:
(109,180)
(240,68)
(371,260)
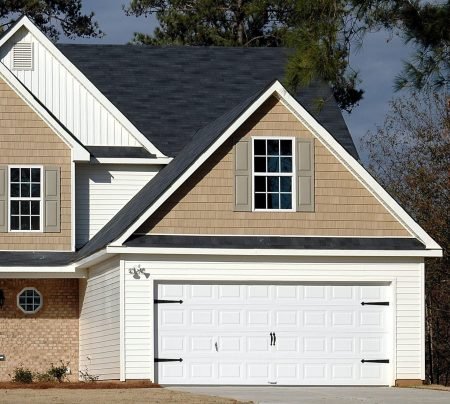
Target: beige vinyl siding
(26,139)
(100,321)
(204,204)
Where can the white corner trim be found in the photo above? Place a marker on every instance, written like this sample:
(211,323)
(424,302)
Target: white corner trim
(155,161)
(273,252)
(79,153)
(122,364)
(26,23)
(325,137)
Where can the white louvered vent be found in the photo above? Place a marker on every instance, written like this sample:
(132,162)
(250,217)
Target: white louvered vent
(23,56)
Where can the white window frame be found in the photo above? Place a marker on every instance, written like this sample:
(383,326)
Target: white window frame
(40,199)
(292,174)
(38,308)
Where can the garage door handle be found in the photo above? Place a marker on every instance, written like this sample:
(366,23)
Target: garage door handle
(274,339)
(374,360)
(271,338)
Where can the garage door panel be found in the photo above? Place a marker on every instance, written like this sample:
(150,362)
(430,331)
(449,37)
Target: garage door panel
(223,333)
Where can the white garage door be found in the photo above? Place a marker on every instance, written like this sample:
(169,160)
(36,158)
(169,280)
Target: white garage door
(285,334)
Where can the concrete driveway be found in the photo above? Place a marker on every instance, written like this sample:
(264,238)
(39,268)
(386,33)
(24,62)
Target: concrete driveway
(324,395)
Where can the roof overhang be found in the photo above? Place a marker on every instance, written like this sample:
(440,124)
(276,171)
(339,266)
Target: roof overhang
(269,252)
(277,90)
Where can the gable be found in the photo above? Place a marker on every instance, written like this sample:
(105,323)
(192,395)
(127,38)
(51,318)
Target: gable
(25,139)
(70,97)
(204,203)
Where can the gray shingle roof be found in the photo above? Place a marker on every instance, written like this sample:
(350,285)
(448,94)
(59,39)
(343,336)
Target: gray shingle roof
(165,178)
(169,93)
(300,243)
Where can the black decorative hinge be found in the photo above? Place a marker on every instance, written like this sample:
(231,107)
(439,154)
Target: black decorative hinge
(374,303)
(168,360)
(168,301)
(374,360)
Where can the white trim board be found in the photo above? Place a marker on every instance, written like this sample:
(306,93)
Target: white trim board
(324,136)
(26,23)
(79,153)
(273,252)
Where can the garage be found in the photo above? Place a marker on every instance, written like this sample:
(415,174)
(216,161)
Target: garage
(280,333)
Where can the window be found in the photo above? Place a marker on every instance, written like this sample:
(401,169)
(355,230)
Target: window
(29,300)
(25,198)
(273,175)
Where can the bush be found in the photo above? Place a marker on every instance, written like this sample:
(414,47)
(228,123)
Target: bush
(43,377)
(59,372)
(87,377)
(22,375)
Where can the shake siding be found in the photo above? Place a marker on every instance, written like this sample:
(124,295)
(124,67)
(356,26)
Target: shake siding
(100,321)
(26,139)
(204,204)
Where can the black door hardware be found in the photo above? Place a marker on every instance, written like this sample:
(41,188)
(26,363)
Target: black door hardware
(374,303)
(374,360)
(156,301)
(168,360)
(273,339)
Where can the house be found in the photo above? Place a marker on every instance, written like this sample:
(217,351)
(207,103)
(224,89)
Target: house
(175,214)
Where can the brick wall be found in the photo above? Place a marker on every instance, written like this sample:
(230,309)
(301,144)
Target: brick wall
(50,335)
(26,139)
(204,204)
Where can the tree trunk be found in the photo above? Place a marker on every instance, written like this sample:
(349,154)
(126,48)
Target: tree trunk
(240,23)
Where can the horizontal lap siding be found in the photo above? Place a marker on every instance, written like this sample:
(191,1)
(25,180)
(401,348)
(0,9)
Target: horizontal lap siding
(100,321)
(204,204)
(102,190)
(139,298)
(26,139)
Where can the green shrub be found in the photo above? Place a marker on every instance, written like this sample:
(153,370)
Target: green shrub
(22,375)
(59,372)
(43,377)
(88,377)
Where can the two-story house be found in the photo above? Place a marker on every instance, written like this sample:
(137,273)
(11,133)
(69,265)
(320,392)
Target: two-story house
(175,214)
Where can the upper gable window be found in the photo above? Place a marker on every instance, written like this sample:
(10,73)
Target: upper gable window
(273,174)
(22,56)
(25,198)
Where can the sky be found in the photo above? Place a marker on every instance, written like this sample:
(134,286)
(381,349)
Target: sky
(378,62)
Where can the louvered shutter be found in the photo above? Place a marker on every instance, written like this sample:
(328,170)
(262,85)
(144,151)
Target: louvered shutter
(305,175)
(52,200)
(242,176)
(3,199)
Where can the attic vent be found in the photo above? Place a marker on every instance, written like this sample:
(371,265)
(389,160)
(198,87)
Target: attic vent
(23,56)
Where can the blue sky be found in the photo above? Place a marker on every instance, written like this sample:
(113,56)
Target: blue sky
(379,61)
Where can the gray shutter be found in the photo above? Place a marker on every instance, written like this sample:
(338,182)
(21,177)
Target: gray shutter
(52,200)
(243,176)
(3,199)
(305,175)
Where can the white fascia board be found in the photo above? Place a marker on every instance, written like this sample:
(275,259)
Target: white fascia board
(26,22)
(155,161)
(69,271)
(79,153)
(355,168)
(325,137)
(273,252)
